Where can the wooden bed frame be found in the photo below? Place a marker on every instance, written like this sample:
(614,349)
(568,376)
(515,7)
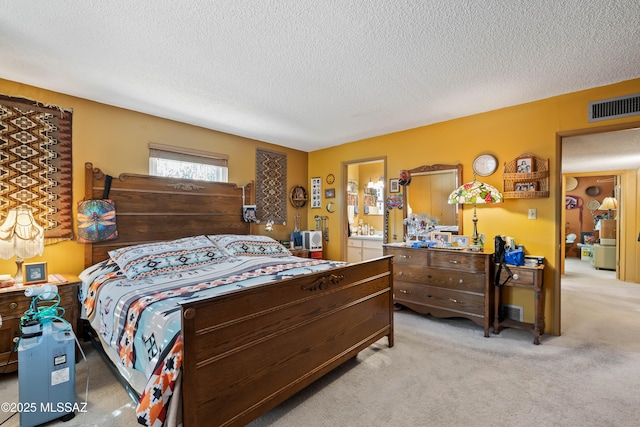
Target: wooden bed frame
(247,351)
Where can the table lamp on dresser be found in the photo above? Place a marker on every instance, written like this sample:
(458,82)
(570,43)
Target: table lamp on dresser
(21,236)
(474,193)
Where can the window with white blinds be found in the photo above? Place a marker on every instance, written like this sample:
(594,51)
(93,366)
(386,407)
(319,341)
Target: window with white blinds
(180,162)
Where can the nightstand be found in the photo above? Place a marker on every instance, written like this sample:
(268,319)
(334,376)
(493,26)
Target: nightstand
(13,304)
(302,253)
(523,277)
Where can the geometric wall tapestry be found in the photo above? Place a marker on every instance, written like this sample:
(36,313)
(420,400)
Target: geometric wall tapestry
(271,186)
(35,164)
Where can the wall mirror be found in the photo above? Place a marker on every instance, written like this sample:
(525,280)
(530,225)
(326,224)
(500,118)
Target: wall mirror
(428,192)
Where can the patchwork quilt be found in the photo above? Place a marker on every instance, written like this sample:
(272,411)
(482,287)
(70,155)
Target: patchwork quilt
(140,318)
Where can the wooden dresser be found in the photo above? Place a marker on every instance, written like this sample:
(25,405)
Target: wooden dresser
(444,283)
(13,304)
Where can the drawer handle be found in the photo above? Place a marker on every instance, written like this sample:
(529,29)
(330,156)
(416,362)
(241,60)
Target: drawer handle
(460,282)
(400,273)
(454,261)
(13,306)
(404,291)
(404,256)
(336,278)
(516,276)
(454,300)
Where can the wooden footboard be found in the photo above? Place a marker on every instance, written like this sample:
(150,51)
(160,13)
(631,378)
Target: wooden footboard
(248,351)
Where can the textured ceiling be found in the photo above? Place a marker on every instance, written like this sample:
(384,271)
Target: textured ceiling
(313,74)
(609,151)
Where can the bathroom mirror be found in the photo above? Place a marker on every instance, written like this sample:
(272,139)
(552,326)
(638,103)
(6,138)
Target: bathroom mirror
(428,192)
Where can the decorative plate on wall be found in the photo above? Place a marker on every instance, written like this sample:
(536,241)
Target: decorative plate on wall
(572,183)
(593,205)
(593,190)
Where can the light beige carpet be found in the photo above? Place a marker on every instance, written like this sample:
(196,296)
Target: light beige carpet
(446,373)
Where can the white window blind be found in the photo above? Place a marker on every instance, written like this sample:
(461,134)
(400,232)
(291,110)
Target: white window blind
(180,162)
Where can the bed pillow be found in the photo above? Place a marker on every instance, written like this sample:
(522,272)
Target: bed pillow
(154,259)
(253,245)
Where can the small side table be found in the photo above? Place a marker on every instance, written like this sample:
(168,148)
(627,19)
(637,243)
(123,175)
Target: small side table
(523,277)
(13,304)
(302,253)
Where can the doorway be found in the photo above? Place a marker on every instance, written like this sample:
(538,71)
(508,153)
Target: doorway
(365,190)
(590,218)
(607,150)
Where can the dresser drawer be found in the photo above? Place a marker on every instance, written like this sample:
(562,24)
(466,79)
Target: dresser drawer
(451,279)
(458,261)
(418,257)
(521,277)
(456,280)
(14,304)
(9,330)
(439,298)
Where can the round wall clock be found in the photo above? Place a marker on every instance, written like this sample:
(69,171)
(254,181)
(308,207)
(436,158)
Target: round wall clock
(330,178)
(485,164)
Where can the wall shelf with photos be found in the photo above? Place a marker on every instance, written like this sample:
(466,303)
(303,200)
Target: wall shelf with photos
(526,177)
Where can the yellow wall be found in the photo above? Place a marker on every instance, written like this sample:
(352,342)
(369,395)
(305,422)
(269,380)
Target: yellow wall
(506,133)
(116,140)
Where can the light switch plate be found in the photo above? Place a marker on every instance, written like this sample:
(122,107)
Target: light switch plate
(533,213)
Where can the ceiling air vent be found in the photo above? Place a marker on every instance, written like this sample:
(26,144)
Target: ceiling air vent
(614,108)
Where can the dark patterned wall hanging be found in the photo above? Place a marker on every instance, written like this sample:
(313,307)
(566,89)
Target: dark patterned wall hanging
(271,186)
(35,163)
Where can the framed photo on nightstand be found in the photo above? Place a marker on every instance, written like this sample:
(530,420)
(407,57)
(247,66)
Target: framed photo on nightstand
(34,273)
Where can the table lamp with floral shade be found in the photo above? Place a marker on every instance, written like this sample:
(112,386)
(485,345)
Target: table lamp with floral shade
(473,193)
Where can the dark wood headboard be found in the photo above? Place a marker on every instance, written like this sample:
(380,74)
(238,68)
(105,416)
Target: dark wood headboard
(152,208)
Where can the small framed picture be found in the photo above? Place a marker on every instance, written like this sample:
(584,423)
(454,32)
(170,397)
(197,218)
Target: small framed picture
(249,213)
(316,187)
(352,186)
(34,272)
(461,241)
(394,185)
(441,237)
(525,165)
(526,186)
(329,193)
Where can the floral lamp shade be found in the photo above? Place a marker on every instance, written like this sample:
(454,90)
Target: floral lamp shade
(475,192)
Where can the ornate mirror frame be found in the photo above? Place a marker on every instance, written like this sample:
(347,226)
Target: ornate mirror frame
(433,170)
